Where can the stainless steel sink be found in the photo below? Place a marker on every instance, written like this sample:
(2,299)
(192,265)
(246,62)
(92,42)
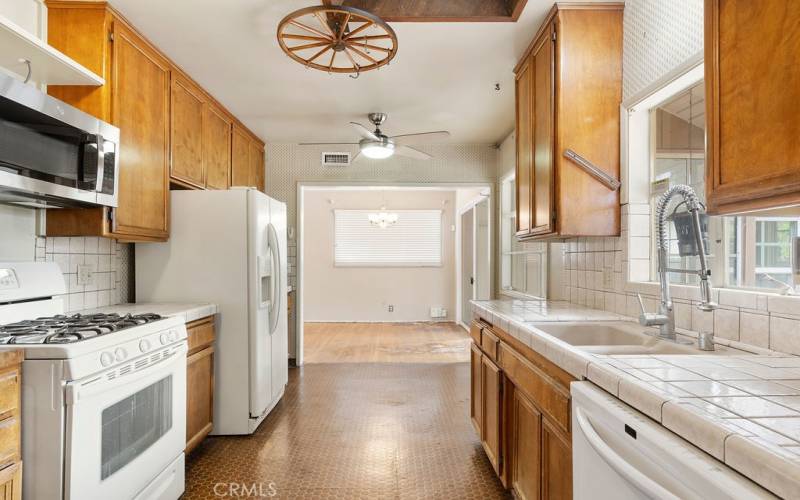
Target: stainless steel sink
(617,337)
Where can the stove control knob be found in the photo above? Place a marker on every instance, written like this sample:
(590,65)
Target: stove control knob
(163,338)
(144,345)
(106,358)
(173,335)
(120,354)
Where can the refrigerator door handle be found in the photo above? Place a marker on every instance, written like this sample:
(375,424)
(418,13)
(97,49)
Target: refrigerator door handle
(275,302)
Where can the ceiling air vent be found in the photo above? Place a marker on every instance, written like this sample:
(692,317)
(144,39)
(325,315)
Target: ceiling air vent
(335,159)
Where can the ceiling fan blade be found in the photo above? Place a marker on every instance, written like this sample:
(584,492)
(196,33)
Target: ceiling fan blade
(327,144)
(422,137)
(364,132)
(410,152)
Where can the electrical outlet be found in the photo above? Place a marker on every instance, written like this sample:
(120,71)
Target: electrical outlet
(391,308)
(608,278)
(85,274)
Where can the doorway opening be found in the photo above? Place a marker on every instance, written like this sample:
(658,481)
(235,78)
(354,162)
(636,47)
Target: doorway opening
(385,273)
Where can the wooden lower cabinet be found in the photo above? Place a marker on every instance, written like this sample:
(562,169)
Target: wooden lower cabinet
(11,482)
(525,439)
(199,382)
(10,428)
(556,462)
(520,407)
(492,407)
(476,392)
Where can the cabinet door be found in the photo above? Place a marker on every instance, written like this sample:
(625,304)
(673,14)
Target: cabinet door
(140,108)
(11,482)
(556,463)
(524,139)
(525,439)
(199,396)
(752,95)
(543,119)
(475,386)
(188,104)
(216,148)
(492,412)
(257,165)
(240,158)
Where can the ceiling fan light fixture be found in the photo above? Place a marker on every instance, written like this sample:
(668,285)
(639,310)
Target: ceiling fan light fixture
(377,150)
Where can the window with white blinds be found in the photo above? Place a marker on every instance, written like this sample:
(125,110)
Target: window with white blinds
(414,240)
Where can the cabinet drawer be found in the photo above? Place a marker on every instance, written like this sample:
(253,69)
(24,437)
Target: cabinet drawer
(201,333)
(540,388)
(475,332)
(489,344)
(9,440)
(9,393)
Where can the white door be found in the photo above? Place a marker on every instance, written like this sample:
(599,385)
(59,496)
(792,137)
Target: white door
(483,239)
(261,276)
(467,264)
(279,328)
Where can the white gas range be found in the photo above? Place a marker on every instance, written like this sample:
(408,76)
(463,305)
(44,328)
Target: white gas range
(104,395)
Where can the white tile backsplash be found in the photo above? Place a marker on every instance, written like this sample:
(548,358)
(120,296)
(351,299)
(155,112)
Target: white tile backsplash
(108,260)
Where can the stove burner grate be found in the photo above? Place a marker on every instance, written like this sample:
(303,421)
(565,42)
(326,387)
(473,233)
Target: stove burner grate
(64,329)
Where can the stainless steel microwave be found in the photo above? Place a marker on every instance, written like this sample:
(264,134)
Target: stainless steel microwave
(54,155)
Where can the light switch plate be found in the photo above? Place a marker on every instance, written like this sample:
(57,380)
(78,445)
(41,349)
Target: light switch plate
(85,274)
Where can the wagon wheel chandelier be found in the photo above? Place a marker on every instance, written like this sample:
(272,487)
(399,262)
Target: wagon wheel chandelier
(337,39)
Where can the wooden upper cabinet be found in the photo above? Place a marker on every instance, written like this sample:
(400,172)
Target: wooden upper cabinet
(217,148)
(170,128)
(542,208)
(188,113)
(140,89)
(240,157)
(524,143)
(569,87)
(257,165)
(752,96)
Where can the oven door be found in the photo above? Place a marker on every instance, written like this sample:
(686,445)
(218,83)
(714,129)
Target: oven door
(125,426)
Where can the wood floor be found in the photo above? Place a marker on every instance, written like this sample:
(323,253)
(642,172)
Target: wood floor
(355,431)
(385,343)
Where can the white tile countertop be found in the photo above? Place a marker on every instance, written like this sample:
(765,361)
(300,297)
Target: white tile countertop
(740,407)
(189,311)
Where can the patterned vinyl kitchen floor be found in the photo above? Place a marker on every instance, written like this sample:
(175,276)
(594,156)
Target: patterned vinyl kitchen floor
(351,431)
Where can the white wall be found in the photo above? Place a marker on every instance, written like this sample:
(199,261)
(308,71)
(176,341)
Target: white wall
(364,293)
(289,164)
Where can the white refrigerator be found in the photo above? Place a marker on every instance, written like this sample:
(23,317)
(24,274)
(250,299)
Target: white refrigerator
(229,248)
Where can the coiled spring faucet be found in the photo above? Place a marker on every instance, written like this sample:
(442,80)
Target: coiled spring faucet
(665,317)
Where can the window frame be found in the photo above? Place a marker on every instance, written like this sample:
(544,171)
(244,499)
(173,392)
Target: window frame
(504,239)
(409,264)
(637,139)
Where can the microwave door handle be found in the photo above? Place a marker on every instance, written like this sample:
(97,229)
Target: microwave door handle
(631,474)
(101,163)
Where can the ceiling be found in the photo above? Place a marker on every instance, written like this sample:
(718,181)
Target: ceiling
(442,78)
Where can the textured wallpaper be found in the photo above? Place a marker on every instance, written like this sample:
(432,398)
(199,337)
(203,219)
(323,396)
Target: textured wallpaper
(659,35)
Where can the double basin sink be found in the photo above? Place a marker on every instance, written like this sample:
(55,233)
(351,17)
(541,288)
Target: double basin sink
(618,337)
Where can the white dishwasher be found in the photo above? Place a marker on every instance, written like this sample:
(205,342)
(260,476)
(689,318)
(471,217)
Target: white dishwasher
(619,453)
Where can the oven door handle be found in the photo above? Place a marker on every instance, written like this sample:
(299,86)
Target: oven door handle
(107,379)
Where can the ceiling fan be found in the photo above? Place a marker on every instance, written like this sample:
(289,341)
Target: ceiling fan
(377,145)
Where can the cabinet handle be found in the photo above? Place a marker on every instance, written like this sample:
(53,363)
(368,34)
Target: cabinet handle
(590,168)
